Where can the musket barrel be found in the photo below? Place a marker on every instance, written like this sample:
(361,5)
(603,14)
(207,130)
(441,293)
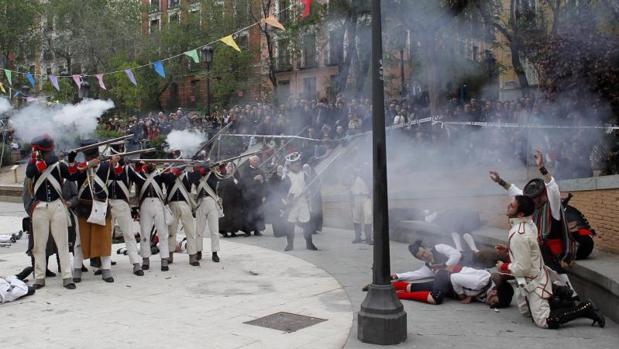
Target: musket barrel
(98,144)
(165,161)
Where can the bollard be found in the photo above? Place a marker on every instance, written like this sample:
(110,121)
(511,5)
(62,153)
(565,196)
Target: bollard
(14,169)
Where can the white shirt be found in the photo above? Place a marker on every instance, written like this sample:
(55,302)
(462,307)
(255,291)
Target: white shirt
(469,281)
(359,187)
(453,258)
(11,288)
(297,183)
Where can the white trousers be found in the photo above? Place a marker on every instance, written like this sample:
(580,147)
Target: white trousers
(121,214)
(361,209)
(181,213)
(45,215)
(152,214)
(538,306)
(78,256)
(207,217)
(300,212)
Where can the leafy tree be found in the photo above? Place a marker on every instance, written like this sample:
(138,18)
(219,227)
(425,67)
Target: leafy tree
(19,22)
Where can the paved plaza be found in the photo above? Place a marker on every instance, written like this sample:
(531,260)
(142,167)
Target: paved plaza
(206,307)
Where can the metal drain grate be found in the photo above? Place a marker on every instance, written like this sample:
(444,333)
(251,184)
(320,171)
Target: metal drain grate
(287,322)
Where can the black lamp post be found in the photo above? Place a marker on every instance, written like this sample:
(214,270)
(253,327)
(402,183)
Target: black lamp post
(382,319)
(207,54)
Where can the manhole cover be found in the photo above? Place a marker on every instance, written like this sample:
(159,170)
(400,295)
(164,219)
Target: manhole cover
(286,322)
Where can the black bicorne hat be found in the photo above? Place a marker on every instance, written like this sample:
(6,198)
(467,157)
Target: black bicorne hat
(42,143)
(534,188)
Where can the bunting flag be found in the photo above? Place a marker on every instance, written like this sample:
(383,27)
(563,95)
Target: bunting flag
(158,66)
(101,84)
(131,77)
(229,40)
(8,75)
(273,22)
(30,79)
(307,7)
(54,80)
(78,80)
(194,55)
(2,88)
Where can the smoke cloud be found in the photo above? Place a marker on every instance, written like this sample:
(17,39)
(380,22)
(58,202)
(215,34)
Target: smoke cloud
(4,105)
(188,142)
(66,124)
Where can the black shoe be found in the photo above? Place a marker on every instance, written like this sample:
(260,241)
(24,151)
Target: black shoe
(164,264)
(215,257)
(365,288)
(70,286)
(24,273)
(257,233)
(139,272)
(77,280)
(199,255)
(38,286)
(84,269)
(31,291)
(145,263)
(49,273)
(98,272)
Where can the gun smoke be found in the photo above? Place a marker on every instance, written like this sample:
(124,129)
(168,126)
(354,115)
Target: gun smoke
(66,124)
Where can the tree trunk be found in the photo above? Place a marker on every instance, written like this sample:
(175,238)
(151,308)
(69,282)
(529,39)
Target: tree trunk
(518,67)
(342,79)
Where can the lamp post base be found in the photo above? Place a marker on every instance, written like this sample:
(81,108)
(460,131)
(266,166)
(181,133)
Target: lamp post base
(382,319)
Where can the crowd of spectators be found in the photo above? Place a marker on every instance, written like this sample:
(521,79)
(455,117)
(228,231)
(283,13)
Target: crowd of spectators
(581,152)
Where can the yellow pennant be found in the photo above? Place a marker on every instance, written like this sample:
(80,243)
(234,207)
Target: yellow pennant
(273,22)
(2,88)
(229,40)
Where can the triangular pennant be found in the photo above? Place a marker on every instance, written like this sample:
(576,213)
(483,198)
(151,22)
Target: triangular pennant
(30,79)
(229,40)
(131,77)
(2,88)
(307,7)
(54,80)
(158,66)
(194,55)
(77,79)
(101,84)
(273,22)
(8,75)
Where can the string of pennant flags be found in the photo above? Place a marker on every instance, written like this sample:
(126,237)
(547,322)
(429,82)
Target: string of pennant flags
(158,65)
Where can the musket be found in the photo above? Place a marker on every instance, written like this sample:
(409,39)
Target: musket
(129,153)
(98,144)
(166,161)
(219,162)
(210,141)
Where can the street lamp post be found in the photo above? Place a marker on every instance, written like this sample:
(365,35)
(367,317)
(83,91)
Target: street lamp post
(382,319)
(207,52)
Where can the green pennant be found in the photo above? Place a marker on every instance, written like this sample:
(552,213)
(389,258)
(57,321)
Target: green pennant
(8,75)
(194,55)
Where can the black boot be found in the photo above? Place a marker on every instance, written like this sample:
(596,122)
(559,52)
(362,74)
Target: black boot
(215,257)
(24,273)
(309,244)
(357,234)
(369,234)
(199,255)
(582,310)
(289,241)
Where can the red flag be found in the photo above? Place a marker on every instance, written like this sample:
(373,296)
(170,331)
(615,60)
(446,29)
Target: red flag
(308,6)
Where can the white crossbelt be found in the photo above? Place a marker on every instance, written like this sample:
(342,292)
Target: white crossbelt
(180,186)
(150,180)
(47,176)
(204,186)
(92,173)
